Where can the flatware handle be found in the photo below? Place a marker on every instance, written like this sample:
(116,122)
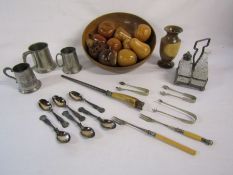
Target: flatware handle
(175,144)
(132,101)
(64,123)
(197,137)
(100,109)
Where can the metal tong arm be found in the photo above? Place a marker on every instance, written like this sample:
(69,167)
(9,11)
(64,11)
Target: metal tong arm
(139,88)
(182,93)
(61,120)
(98,108)
(187,99)
(182,110)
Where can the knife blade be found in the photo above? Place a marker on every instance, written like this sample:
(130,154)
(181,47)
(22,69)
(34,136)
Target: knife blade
(132,101)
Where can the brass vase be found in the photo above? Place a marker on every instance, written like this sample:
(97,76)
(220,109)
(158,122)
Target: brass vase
(169,46)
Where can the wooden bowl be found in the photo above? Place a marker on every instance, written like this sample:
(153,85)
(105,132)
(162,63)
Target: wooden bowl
(128,22)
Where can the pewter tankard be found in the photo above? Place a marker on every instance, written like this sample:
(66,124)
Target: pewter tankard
(25,78)
(41,57)
(70,61)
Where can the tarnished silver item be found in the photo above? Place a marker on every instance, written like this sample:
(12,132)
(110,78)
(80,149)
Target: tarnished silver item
(142,91)
(70,63)
(191,97)
(191,71)
(43,61)
(191,115)
(25,78)
(163,93)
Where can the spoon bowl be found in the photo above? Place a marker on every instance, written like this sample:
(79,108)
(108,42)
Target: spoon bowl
(108,124)
(59,101)
(75,96)
(63,136)
(45,105)
(87,132)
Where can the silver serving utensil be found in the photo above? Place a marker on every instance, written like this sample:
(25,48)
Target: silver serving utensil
(157,136)
(163,93)
(192,116)
(85,131)
(136,87)
(137,92)
(192,97)
(178,130)
(78,97)
(62,136)
(61,102)
(105,123)
(46,106)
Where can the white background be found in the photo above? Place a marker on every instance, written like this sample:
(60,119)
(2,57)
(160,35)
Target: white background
(28,146)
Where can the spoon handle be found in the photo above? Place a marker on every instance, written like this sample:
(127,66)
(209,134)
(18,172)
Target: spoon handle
(70,117)
(76,114)
(47,121)
(61,120)
(83,110)
(100,109)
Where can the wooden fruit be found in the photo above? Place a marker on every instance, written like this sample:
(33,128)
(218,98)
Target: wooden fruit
(142,32)
(114,44)
(126,57)
(126,44)
(106,28)
(141,49)
(121,34)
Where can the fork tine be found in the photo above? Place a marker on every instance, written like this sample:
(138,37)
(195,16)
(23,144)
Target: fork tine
(146,118)
(118,121)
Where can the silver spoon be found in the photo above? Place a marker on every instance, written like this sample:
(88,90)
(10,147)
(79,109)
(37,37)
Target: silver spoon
(62,136)
(85,131)
(136,87)
(163,93)
(61,102)
(78,97)
(184,94)
(105,123)
(46,106)
(137,92)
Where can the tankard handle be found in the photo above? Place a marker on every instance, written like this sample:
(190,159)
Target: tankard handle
(5,72)
(59,65)
(25,55)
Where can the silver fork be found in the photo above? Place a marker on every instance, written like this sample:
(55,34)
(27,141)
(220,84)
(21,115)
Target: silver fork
(158,136)
(178,130)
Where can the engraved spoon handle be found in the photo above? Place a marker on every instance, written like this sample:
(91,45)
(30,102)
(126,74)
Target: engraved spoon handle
(76,114)
(98,108)
(48,122)
(61,120)
(83,110)
(137,92)
(70,117)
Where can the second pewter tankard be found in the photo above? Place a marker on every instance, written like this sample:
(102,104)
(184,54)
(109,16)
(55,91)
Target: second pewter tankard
(41,57)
